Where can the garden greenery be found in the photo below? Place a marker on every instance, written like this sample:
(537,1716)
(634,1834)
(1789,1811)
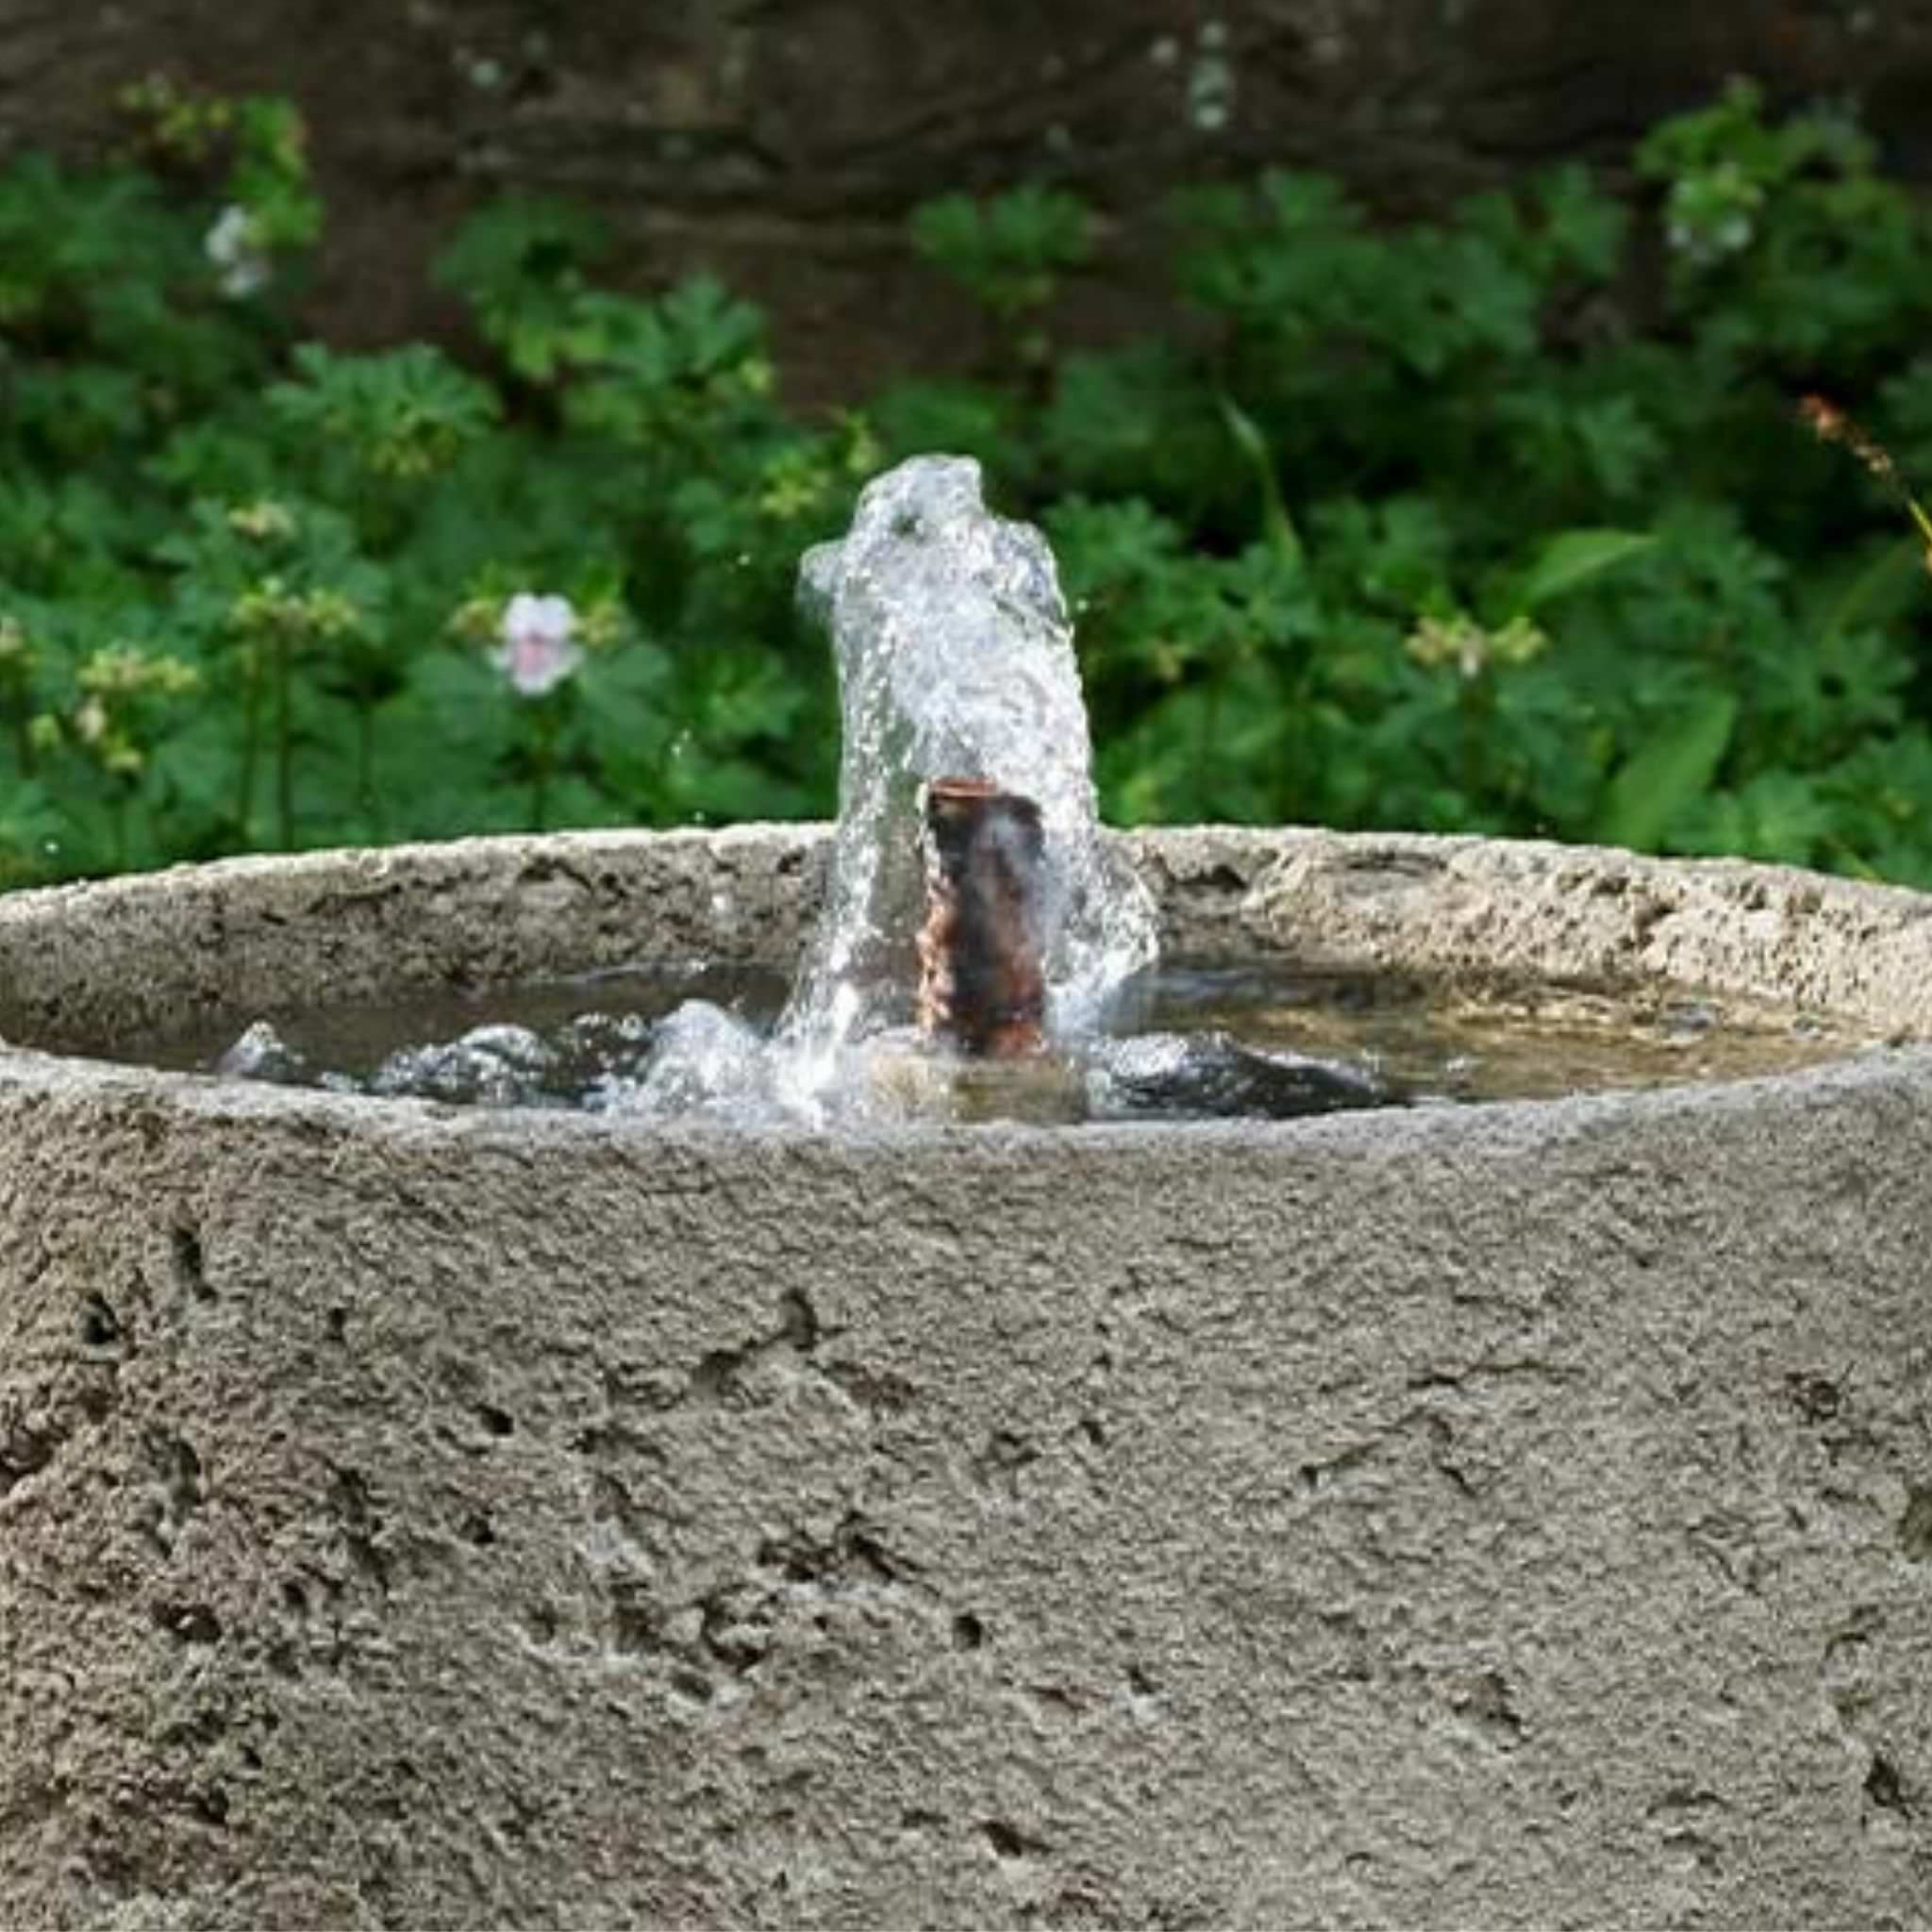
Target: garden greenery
(1499,523)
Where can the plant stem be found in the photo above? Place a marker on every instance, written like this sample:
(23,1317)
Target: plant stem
(285,761)
(1276,524)
(16,701)
(365,769)
(251,740)
(1475,706)
(1211,733)
(543,749)
(539,788)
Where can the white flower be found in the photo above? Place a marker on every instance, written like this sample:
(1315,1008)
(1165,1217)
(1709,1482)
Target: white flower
(1211,81)
(538,650)
(235,248)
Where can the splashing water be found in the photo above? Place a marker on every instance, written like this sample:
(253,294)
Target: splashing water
(1254,1037)
(956,661)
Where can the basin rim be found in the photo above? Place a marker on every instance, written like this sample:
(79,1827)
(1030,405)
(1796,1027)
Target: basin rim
(1397,902)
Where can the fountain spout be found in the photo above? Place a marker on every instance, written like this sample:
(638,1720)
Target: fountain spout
(982,984)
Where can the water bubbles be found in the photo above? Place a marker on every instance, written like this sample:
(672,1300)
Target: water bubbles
(261,1054)
(706,1062)
(1242,1037)
(703,1062)
(499,1066)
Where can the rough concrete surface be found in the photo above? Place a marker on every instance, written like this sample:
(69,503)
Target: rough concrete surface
(1505,1516)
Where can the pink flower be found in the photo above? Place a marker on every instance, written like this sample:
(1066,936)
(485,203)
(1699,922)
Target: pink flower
(538,650)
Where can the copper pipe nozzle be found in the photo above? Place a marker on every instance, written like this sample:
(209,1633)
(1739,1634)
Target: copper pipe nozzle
(982,977)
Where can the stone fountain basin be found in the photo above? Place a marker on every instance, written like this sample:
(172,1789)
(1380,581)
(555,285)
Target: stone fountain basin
(1518,1516)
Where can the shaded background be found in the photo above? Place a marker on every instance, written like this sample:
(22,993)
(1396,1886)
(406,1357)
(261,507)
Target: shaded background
(782,143)
(1502,517)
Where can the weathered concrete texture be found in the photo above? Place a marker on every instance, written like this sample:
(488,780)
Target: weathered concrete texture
(344,926)
(78,964)
(1492,907)
(1514,1517)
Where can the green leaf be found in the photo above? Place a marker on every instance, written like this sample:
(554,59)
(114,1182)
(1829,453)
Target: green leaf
(1006,250)
(1665,777)
(1276,521)
(1778,816)
(1583,226)
(1880,593)
(1572,558)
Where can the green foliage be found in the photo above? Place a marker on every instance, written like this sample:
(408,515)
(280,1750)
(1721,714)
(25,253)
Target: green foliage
(1665,778)
(1787,244)
(1009,251)
(400,416)
(255,589)
(1465,525)
(1444,526)
(1572,558)
(522,265)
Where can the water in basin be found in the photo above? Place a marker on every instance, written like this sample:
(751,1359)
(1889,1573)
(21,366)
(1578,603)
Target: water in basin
(1253,1038)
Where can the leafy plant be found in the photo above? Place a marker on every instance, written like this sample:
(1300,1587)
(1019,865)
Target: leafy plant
(1009,253)
(1466,523)
(1010,250)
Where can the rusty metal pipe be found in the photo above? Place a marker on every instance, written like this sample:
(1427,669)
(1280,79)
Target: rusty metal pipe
(982,983)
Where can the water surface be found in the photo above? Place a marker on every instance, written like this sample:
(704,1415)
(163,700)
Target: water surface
(1193,1039)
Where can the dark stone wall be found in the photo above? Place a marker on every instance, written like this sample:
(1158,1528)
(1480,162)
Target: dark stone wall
(781,141)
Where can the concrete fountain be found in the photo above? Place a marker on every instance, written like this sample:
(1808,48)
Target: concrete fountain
(416,1515)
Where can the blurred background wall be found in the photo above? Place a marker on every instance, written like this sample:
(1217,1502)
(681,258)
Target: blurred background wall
(780,143)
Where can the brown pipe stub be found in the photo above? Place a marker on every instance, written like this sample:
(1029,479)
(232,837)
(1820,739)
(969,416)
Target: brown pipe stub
(982,976)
